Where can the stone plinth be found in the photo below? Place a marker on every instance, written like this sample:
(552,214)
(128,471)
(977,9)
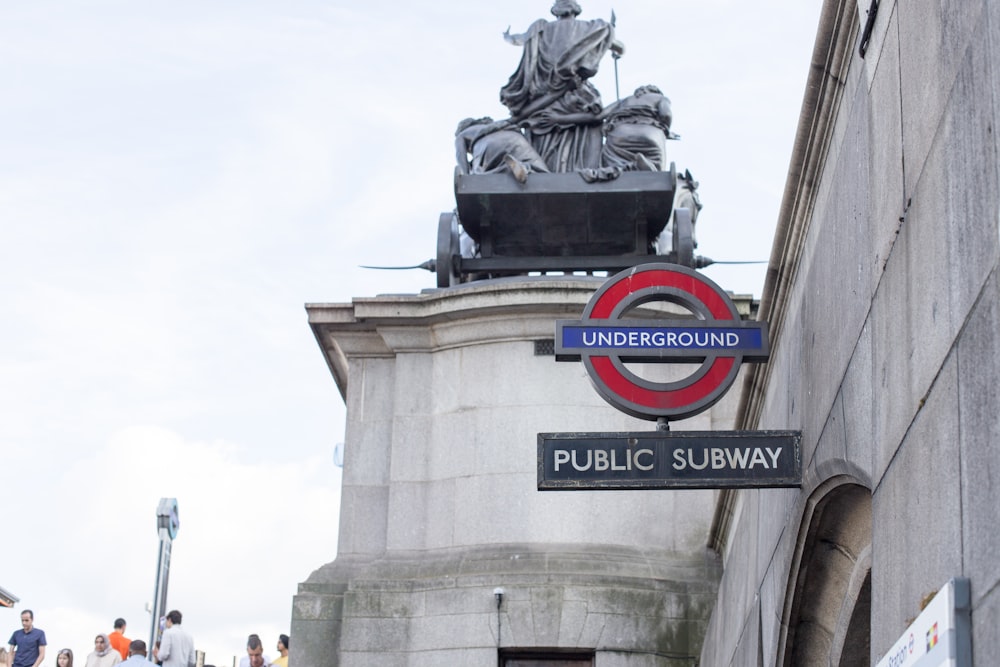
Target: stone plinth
(446,392)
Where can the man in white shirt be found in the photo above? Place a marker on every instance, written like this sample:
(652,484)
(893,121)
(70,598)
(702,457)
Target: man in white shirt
(255,654)
(176,645)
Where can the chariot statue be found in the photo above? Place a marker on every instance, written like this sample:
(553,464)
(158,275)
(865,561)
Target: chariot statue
(566,183)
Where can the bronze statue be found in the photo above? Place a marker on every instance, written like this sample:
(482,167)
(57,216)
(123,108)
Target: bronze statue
(485,146)
(636,130)
(604,198)
(552,83)
(604,192)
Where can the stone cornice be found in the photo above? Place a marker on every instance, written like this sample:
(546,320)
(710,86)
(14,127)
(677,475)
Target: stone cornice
(506,309)
(832,55)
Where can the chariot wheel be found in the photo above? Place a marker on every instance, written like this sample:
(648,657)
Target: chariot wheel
(448,250)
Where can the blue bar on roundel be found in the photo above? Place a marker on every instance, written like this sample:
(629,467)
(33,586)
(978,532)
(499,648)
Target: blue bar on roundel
(644,338)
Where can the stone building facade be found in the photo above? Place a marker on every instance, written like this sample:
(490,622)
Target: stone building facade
(883,298)
(884,304)
(446,392)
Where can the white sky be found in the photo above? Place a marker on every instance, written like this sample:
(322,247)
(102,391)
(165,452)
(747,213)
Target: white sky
(178,178)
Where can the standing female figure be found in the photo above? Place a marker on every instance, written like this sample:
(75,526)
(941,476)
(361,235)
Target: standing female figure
(552,84)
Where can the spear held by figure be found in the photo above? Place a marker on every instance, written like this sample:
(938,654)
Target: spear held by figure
(617,49)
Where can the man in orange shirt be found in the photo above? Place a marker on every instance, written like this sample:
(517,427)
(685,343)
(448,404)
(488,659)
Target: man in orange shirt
(119,641)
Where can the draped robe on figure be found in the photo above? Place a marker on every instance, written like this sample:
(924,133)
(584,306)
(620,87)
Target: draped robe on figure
(551,83)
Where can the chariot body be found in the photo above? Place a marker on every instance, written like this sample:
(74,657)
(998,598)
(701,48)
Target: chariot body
(558,222)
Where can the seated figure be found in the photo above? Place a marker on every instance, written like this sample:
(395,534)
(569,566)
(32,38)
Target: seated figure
(485,146)
(636,130)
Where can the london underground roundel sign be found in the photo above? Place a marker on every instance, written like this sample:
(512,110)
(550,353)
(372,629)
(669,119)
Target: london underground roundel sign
(712,336)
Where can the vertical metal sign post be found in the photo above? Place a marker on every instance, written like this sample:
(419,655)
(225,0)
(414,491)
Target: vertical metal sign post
(167,523)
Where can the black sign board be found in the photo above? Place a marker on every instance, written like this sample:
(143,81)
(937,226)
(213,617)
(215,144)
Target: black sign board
(669,460)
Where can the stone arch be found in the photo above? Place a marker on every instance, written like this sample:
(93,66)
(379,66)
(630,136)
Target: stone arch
(827,618)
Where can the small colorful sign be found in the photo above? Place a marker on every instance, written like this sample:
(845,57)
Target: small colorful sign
(942,634)
(713,336)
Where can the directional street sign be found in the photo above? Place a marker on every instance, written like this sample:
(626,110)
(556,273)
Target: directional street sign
(669,460)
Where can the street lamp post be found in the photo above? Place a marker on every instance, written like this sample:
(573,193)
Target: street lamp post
(167,523)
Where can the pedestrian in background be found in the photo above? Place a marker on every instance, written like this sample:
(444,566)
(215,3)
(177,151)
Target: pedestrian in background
(27,644)
(255,654)
(64,658)
(119,641)
(103,655)
(176,647)
(282,661)
(137,655)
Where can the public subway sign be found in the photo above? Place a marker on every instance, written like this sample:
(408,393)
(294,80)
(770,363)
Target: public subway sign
(713,338)
(668,460)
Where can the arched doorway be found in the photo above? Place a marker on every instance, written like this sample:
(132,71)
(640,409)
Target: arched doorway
(827,619)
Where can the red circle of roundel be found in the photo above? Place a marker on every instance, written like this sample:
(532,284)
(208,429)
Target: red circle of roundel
(653,400)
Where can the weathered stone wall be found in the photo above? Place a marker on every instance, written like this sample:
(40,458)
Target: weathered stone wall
(883,298)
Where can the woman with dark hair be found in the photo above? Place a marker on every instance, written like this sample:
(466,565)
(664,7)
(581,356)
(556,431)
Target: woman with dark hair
(104,655)
(64,658)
